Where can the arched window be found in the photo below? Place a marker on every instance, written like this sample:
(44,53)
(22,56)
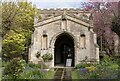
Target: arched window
(44,42)
(82,41)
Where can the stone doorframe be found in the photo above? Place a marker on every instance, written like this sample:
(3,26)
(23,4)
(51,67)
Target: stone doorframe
(52,45)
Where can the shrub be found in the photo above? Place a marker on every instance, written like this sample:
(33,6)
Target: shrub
(14,68)
(33,65)
(31,74)
(108,68)
(91,68)
(13,45)
(36,73)
(93,75)
(82,65)
(109,61)
(47,57)
(4,63)
(49,74)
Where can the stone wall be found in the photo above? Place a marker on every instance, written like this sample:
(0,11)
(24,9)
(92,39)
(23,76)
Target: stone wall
(73,22)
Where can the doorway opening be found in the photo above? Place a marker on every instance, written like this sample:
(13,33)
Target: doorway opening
(64,50)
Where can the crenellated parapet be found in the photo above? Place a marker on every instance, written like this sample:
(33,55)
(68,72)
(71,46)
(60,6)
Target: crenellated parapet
(58,10)
(52,12)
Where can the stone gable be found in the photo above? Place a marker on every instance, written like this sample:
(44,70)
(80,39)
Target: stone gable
(64,33)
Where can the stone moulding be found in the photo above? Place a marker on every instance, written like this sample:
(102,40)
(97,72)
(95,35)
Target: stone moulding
(44,22)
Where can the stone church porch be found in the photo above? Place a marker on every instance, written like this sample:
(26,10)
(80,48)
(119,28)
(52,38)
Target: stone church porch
(68,36)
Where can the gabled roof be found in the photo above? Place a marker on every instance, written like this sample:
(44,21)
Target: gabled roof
(60,17)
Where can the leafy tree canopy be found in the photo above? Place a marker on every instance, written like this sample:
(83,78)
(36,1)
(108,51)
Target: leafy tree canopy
(18,15)
(17,27)
(13,45)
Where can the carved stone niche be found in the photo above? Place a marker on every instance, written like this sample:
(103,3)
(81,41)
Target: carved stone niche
(81,32)
(64,15)
(44,40)
(44,32)
(82,40)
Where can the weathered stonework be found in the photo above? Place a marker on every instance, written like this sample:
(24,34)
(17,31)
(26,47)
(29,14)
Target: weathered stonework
(71,25)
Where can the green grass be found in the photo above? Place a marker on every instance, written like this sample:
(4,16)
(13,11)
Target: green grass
(75,74)
(49,75)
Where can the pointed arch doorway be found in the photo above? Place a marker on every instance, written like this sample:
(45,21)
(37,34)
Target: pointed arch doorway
(64,49)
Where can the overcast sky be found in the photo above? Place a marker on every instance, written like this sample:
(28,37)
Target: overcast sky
(57,3)
(61,3)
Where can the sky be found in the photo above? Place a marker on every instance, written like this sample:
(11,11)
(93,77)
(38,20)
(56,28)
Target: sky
(57,3)
(63,3)
(42,4)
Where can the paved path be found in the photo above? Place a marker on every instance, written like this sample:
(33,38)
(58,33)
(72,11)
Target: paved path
(63,74)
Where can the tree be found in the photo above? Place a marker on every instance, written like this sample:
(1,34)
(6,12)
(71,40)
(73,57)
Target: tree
(18,15)
(13,45)
(103,14)
(14,68)
(17,25)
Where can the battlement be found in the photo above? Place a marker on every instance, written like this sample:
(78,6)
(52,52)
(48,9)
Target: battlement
(59,10)
(53,12)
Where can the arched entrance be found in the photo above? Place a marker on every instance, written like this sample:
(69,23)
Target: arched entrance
(64,49)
